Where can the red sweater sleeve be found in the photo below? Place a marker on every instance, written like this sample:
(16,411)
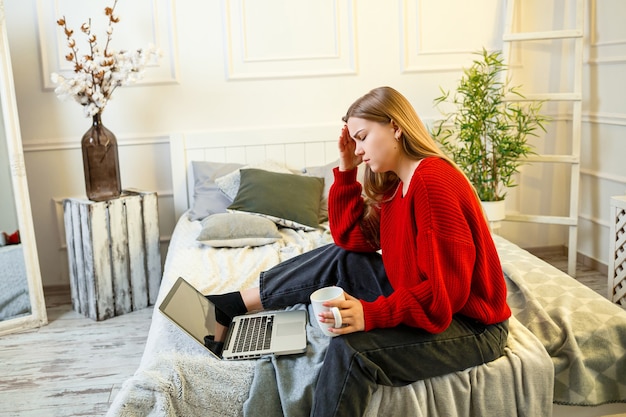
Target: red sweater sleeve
(438,254)
(345,215)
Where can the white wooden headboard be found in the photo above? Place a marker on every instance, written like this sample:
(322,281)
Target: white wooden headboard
(295,146)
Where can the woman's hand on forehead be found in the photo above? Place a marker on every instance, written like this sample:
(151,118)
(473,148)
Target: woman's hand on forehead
(348,160)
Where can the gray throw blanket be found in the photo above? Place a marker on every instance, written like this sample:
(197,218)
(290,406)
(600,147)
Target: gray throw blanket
(520,383)
(584,334)
(182,379)
(283,385)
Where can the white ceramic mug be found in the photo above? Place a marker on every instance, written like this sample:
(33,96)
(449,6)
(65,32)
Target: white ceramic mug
(318,298)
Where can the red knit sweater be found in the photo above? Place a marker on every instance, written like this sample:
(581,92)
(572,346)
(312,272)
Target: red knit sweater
(437,250)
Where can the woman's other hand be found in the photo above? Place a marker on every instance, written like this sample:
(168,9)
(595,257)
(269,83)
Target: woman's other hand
(351,311)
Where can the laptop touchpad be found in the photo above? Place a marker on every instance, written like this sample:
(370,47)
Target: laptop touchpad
(289,329)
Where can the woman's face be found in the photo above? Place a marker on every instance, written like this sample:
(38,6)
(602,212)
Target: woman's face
(376,143)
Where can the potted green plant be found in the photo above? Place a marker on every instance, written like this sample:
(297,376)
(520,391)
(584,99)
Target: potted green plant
(486,133)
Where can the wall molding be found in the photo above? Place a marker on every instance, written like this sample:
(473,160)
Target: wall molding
(160,32)
(617,42)
(607,60)
(618,179)
(594,220)
(423,51)
(69,143)
(617,119)
(73,143)
(329,55)
(608,51)
(593,20)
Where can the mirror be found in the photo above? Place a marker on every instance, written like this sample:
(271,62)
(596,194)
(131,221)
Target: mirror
(22,304)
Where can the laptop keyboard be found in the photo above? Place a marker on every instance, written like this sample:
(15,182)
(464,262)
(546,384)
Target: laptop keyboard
(255,333)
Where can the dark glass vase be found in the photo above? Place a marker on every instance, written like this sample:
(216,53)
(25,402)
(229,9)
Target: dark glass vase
(101,162)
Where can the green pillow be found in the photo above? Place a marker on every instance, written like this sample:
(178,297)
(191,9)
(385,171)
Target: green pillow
(289,200)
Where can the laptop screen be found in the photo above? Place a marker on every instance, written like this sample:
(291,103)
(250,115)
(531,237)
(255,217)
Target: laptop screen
(186,307)
(195,314)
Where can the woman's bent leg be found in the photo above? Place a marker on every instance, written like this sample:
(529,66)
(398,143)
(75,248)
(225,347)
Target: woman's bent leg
(356,363)
(361,275)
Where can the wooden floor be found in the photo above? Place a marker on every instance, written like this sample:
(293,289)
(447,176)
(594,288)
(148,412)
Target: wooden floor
(593,277)
(71,367)
(74,366)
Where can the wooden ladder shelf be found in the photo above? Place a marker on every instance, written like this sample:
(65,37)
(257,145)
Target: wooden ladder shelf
(575,97)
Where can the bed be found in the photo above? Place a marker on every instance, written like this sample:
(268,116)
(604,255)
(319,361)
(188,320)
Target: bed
(565,353)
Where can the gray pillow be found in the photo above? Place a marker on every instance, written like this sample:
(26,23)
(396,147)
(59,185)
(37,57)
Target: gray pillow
(207,197)
(288,199)
(235,230)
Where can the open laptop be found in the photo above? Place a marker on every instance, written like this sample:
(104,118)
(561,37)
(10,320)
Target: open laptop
(250,336)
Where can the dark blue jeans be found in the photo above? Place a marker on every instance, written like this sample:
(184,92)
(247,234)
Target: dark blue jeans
(357,362)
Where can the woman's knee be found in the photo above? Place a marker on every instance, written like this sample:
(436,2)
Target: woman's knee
(341,353)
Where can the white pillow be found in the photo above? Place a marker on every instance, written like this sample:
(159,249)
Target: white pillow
(235,230)
(326,172)
(229,183)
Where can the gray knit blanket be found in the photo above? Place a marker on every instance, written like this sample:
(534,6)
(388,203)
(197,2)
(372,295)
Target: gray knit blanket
(190,382)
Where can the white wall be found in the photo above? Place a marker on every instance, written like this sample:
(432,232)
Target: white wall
(230,64)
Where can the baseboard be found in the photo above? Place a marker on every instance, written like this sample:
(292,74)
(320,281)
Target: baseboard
(57,289)
(593,263)
(582,259)
(547,250)
(56,295)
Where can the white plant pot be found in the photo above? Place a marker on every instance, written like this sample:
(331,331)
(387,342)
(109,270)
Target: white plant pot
(494,210)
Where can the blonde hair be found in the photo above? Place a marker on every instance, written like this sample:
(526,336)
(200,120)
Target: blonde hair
(385,105)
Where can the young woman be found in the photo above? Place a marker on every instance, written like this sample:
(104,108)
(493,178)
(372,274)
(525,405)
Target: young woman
(433,303)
